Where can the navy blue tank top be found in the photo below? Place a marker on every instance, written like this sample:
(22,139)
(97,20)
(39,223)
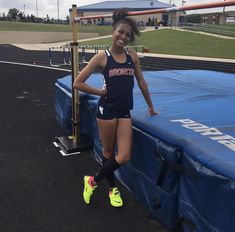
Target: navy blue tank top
(119,82)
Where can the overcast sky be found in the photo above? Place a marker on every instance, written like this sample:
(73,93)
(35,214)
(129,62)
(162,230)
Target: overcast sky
(50,7)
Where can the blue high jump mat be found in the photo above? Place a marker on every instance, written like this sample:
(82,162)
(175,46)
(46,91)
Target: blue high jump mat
(183,160)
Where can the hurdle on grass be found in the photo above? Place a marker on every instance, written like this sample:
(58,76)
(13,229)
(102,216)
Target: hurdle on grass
(76,136)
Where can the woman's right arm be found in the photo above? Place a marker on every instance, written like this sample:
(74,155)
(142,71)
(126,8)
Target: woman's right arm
(96,64)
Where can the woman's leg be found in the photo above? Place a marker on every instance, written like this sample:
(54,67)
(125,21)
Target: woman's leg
(124,140)
(107,132)
(123,130)
(110,177)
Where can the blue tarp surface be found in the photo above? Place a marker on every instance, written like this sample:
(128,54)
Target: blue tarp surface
(183,160)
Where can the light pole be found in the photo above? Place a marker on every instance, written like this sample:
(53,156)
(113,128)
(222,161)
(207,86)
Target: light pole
(58,10)
(224,7)
(24,9)
(37,8)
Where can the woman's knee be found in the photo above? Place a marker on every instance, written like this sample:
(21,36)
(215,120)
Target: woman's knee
(108,154)
(122,159)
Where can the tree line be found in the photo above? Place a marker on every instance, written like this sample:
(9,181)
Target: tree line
(19,16)
(16,15)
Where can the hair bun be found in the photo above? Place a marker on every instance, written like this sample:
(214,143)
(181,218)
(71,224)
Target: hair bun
(120,14)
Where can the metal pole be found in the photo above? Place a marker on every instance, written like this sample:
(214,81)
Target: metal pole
(79,142)
(37,8)
(58,9)
(75,93)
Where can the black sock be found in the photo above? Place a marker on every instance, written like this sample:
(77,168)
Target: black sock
(110,177)
(110,166)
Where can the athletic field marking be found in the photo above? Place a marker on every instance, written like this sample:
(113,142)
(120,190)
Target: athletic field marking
(67,154)
(34,65)
(55,144)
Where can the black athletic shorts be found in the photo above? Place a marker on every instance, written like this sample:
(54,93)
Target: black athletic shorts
(108,114)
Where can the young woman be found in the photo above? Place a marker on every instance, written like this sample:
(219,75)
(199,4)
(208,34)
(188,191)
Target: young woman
(119,68)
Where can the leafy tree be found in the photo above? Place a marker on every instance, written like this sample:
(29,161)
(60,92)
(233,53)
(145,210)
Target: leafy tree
(28,18)
(67,19)
(32,18)
(48,18)
(12,13)
(21,15)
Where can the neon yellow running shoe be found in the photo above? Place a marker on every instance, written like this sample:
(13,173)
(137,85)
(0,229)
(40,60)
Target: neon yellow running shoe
(115,198)
(88,189)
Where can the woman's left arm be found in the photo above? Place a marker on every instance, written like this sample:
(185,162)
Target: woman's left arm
(142,84)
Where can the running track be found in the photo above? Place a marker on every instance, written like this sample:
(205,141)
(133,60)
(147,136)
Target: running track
(41,191)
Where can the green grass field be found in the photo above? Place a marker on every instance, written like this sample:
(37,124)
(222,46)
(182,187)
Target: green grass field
(159,41)
(227,27)
(181,43)
(226,30)
(18,26)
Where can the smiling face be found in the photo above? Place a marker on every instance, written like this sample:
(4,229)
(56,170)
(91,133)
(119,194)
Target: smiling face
(122,35)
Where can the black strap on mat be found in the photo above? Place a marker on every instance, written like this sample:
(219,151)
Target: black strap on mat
(166,165)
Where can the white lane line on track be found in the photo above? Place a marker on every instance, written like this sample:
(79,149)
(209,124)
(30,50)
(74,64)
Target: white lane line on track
(34,65)
(56,144)
(68,154)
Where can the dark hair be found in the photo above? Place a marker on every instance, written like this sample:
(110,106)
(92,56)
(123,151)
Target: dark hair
(121,16)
